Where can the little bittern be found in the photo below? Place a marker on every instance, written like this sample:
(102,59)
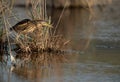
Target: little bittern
(27,26)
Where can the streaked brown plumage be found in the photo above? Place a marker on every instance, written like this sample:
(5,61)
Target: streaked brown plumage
(27,26)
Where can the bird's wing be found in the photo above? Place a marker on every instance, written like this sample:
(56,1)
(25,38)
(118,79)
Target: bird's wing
(21,27)
(21,23)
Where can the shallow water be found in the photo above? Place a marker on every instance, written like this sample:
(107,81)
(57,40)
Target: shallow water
(93,54)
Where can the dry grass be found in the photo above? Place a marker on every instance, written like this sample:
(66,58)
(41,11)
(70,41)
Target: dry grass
(5,11)
(42,39)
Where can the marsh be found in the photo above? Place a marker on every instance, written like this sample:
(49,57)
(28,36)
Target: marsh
(93,54)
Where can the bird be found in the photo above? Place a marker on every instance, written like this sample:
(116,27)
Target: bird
(28,26)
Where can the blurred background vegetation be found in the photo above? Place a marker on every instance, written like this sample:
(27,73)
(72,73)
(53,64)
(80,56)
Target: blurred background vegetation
(71,3)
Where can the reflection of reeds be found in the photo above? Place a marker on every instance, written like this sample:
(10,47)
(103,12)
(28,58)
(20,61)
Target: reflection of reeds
(39,65)
(91,3)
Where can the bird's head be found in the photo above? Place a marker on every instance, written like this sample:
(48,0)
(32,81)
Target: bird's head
(43,24)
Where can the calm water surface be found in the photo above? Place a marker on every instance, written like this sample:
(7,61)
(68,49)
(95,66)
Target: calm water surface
(93,54)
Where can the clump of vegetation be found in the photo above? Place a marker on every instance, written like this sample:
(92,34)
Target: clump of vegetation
(41,39)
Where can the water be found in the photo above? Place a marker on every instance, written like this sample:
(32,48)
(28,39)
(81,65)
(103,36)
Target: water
(92,56)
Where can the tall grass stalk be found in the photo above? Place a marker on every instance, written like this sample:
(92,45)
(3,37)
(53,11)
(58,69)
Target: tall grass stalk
(60,17)
(4,17)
